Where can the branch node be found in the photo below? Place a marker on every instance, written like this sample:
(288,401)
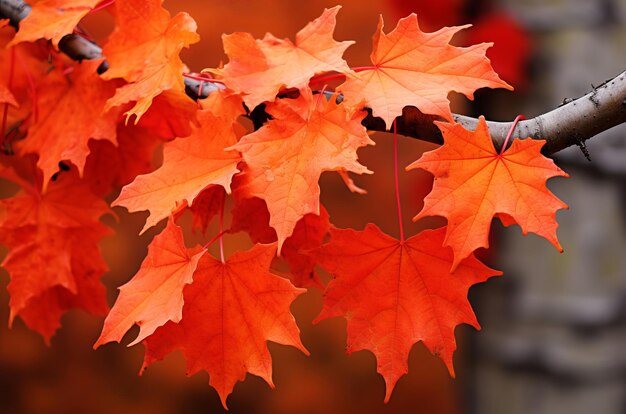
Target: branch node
(583,148)
(593,98)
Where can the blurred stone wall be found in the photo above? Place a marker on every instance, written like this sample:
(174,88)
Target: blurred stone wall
(554,327)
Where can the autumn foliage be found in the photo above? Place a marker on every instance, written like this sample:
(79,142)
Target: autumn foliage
(71,136)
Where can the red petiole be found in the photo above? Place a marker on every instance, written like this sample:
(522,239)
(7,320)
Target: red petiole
(396,180)
(102,5)
(5,113)
(508,137)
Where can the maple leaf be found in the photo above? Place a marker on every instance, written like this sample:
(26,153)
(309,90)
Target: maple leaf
(155,294)
(308,235)
(286,157)
(170,115)
(394,294)
(206,205)
(71,112)
(42,313)
(474,183)
(189,165)
(419,69)
(112,166)
(251,215)
(22,69)
(143,49)
(231,309)
(260,68)
(224,104)
(53,253)
(52,19)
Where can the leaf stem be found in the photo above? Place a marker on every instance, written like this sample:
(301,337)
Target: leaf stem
(5,114)
(328,76)
(31,86)
(202,78)
(214,239)
(363,68)
(221,234)
(508,137)
(396,180)
(102,5)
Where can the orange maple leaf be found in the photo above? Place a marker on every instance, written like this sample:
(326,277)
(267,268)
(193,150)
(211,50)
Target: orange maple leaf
(155,294)
(143,49)
(53,249)
(419,69)
(231,310)
(394,294)
(474,183)
(52,19)
(260,68)
(286,157)
(71,112)
(189,165)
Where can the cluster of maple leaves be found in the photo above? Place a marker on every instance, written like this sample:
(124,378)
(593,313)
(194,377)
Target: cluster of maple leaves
(67,144)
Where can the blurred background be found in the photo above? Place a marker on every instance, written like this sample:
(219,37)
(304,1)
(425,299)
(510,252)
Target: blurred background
(554,327)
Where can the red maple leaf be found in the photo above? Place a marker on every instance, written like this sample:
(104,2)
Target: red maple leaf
(54,262)
(171,115)
(206,205)
(394,294)
(112,166)
(251,215)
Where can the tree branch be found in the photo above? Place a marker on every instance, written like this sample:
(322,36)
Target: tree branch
(569,124)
